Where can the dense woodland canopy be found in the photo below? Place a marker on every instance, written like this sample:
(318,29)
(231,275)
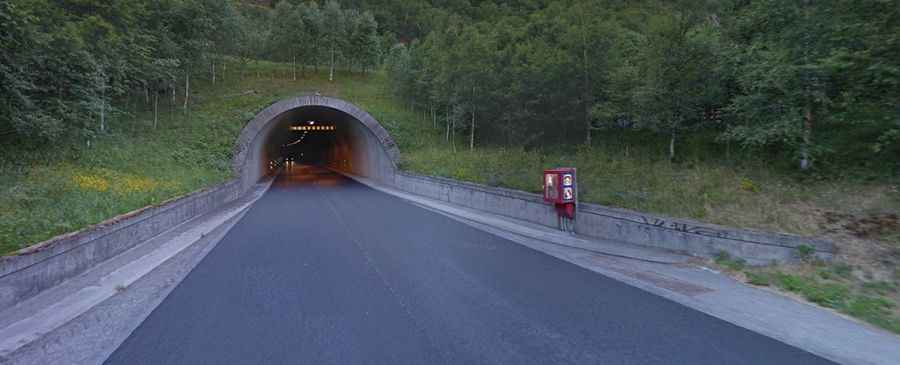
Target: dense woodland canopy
(67,63)
(815,83)
(792,80)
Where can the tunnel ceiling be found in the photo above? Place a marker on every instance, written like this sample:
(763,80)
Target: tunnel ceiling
(355,142)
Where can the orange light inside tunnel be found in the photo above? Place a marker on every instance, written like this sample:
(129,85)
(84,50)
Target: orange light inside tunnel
(306,128)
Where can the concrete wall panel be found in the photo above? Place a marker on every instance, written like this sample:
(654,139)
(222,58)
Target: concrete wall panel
(47,264)
(619,225)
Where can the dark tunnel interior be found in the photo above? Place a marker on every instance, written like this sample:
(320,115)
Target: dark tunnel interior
(308,136)
(319,136)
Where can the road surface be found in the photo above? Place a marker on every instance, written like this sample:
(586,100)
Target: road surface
(323,270)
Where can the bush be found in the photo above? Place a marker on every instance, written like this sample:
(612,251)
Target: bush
(805,252)
(758,279)
(725,260)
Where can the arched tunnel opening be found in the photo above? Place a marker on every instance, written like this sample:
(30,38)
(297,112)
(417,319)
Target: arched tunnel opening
(314,131)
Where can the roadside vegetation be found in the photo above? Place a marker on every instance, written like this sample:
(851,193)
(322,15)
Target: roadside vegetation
(53,188)
(764,114)
(868,291)
(690,111)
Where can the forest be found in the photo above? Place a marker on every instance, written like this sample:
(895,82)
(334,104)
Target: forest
(814,83)
(67,65)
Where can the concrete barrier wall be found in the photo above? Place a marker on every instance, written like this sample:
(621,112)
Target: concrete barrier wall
(620,225)
(47,264)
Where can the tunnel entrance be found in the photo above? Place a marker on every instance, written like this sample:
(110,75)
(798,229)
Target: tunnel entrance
(318,131)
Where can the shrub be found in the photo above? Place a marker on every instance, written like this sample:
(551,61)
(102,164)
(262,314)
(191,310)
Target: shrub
(805,252)
(749,185)
(758,279)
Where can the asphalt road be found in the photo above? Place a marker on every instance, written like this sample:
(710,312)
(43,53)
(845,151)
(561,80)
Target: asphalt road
(323,270)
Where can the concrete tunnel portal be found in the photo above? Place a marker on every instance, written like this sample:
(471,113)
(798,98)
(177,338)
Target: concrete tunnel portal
(315,130)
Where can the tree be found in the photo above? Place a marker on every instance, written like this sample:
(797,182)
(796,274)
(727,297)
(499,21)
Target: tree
(334,31)
(677,73)
(288,33)
(802,64)
(363,41)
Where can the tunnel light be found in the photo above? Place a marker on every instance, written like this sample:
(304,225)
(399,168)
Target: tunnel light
(307,128)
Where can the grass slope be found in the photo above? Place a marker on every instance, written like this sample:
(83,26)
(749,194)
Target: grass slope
(50,189)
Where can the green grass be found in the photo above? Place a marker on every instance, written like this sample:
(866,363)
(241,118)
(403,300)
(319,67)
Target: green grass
(748,195)
(829,285)
(40,197)
(725,260)
(46,190)
(55,188)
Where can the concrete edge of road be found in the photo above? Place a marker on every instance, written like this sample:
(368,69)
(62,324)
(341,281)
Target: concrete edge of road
(541,233)
(34,318)
(35,269)
(811,328)
(619,225)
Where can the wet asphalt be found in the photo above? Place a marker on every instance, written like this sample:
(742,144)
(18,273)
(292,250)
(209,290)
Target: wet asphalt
(323,270)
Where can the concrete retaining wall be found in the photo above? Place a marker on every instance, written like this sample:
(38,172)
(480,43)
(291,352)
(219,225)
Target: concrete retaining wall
(47,264)
(618,224)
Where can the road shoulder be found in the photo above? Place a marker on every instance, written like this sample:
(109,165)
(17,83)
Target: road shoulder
(83,320)
(672,276)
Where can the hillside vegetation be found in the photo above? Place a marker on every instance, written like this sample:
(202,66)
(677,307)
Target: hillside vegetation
(764,114)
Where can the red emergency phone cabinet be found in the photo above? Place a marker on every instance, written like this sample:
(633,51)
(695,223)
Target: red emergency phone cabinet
(560,189)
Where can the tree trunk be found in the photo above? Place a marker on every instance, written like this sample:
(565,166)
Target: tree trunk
(472,133)
(672,146)
(155,110)
(447,136)
(805,162)
(433,117)
(224,70)
(294,67)
(214,72)
(453,134)
(103,105)
(187,88)
(331,74)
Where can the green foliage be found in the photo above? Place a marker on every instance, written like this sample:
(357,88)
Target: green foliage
(749,185)
(806,252)
(47,190)
(725,260)
(759,279)
(833,288)
(804,66)
(783,80)
(828,295)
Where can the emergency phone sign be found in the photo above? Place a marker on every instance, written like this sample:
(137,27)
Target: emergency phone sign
(568,187)
(560,189)
(551,190)
(559,185)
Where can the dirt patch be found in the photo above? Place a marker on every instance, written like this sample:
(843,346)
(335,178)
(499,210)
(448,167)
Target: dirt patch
(864,242)
(864,226)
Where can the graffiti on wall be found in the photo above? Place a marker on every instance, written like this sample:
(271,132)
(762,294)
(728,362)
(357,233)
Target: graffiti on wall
(683,227)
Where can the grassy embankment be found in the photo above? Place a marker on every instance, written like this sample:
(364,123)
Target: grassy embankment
(859,215)
(53,189)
